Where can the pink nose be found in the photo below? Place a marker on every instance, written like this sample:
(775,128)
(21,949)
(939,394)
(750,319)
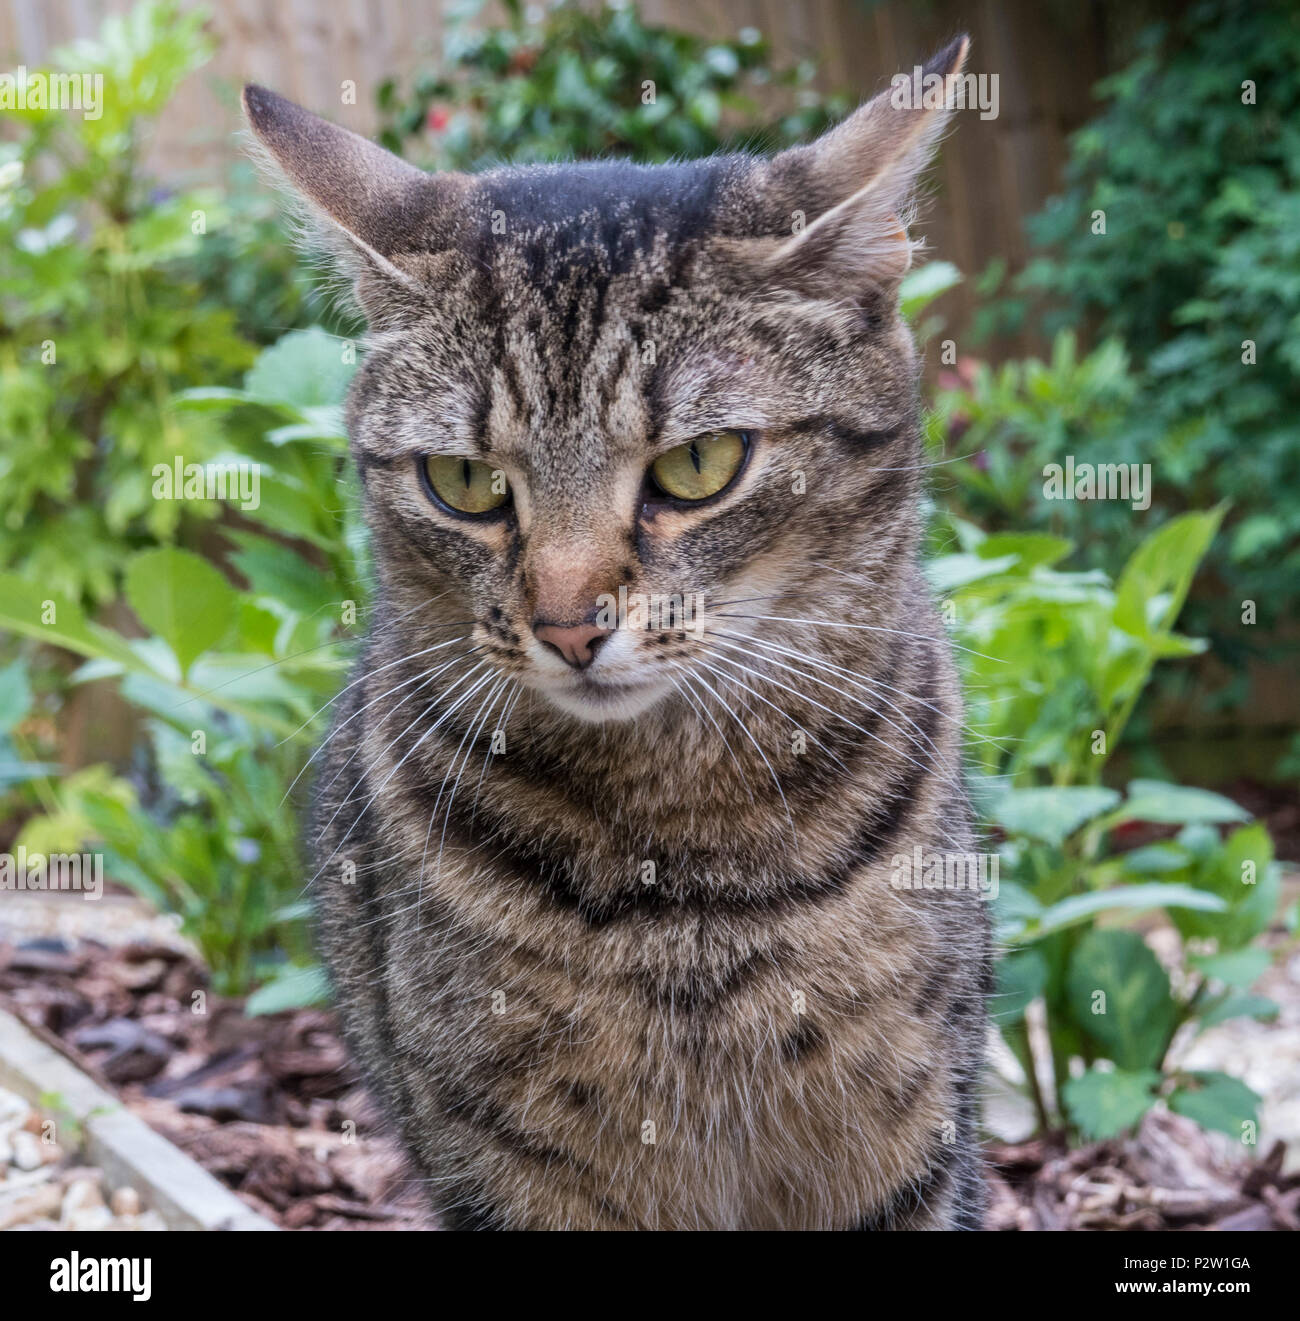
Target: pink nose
(577,643)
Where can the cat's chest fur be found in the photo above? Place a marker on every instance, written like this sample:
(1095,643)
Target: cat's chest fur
(709,1042)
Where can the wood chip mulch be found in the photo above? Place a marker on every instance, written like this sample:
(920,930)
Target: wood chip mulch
(272,1107)
(1168,1175)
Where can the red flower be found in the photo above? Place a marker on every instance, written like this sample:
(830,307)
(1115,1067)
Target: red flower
(437,118)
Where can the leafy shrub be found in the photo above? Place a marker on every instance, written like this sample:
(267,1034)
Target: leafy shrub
(1056,662)
(1196,164)
(568,81)
(100,322)
(217,846)
(1012,420)
(249,266)
(1007,423)
(21,772)
(233,679)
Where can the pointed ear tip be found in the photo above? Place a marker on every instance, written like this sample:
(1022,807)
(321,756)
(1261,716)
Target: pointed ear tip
(260,103)
(254,100)
(952,56)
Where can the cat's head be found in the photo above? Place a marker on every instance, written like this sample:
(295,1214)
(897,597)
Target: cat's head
(689,382)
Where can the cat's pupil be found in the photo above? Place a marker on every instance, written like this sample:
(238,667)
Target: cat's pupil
(465,473)
(695,455)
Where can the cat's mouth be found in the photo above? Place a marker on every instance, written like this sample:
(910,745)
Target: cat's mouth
(595,699)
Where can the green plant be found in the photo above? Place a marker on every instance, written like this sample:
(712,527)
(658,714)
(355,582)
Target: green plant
(1194,168)
(1056,662)
(24,777)
(1073,652)
(99,322)
(69,1125)
(217,846)
(566,81)
(233,679)
(248,265)
(16,766)
(1008,422)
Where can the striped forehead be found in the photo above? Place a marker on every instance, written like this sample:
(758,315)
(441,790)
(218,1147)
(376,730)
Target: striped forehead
(578,287)
(568,382)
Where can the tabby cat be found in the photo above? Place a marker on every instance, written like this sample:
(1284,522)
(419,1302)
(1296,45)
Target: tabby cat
(607,828)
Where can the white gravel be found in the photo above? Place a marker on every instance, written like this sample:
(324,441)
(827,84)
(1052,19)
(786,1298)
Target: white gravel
(42,1186)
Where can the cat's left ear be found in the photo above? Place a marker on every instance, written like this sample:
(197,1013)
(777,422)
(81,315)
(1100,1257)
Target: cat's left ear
(849,193)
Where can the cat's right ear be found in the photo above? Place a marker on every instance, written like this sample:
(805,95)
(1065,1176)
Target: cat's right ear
(383,206)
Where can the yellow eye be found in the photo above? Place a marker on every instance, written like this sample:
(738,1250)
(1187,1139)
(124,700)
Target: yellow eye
(466,485)
(701,467)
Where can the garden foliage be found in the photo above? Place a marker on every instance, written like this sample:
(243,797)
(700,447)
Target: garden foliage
(571,82)
(1192,290)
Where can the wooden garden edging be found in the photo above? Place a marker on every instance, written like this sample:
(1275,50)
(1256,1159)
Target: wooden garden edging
(118,1142)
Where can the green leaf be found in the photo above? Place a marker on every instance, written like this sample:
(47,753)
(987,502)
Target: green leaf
(172,702)
(1176,804)
(1161,571)
(1238,1005)
(1242,872)
(183,599)
(949,573)
(1051,814)
(208,398)
(303,369)
(1014,909)
(182,772)
(1105,1103)
(1031,549)
(1239,967)
(1134,1016)
(298,988)
(923,284)
(1080,907)
(284,576)
(1218,1102)
(26,609)
(1199,840)
(1156,859)
(15,695)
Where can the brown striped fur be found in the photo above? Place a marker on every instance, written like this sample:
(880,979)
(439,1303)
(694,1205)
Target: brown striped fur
(759,1031)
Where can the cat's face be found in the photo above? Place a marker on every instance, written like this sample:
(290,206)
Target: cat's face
(586,407)
(607,408)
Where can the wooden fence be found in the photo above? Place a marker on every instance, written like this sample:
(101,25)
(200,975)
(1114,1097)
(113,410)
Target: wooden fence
(991,175)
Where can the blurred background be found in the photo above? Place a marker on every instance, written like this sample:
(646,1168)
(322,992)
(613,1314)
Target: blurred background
(1112,275)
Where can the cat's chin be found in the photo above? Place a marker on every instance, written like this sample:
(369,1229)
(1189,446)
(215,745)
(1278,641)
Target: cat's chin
(599,703)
